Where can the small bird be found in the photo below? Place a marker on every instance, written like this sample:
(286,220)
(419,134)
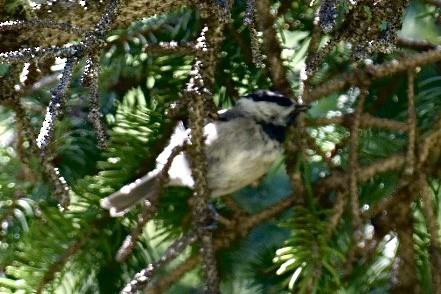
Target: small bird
(240,147)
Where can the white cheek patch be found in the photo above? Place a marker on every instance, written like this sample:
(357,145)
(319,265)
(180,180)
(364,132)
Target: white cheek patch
(275,113)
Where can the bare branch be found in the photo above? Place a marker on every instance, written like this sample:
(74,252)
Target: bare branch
(58,265)
(56,105)
(433,228)
(366,121)
(375,71)
(271,47)
(412,122)
(415,44)
(434,2)
(240,228)
(91,79)
(354,166)
(145,275)
(197,92)
(150,208)
(40,23)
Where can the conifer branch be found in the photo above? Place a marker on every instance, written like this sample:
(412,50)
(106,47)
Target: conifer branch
(273,50)
(150,207)
(49,170)
(415,44)
(163,48)
(168,280)
(366,121)
(383,20)
(404,278)
(373,72)
(240,228)
(250,21)
(434,2)
(324,155)
(197,92)
(36,53)
(40,23)
(433,229)
(57,266)
(412,123)
(354,167)
(337,213)
(55,108)
(271,47)
(310,68)
(91,80)
(8,211)
(144,276)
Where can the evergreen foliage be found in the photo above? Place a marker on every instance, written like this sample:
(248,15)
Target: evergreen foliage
(353,208)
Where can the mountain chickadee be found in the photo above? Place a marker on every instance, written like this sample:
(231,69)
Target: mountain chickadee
(240,148)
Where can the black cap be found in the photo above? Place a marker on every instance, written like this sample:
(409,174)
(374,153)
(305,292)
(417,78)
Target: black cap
(270,96)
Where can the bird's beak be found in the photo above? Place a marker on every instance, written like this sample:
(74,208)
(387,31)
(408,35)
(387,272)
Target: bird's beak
(297,109)
(302,107)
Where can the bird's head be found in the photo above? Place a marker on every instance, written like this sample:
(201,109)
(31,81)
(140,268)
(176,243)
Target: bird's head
(271,107)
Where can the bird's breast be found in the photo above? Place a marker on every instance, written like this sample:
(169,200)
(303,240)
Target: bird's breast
(239,157)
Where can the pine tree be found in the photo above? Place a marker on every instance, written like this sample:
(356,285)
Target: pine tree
(90,92)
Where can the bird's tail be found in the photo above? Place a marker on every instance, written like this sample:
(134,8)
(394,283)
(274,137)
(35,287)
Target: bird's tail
(120,202)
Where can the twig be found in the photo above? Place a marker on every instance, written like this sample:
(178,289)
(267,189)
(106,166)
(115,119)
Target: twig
(168,280)
(412,122)
(278,73)
(434,2)
(45,137)
(107,18)
(429,143)
(91,80)
(272,47)
(225,238)
(197,91)
(433,229)
(145,275)
(170,48)
(149,209)
(353,167)
(313,145)
(337,213)
(279,78)
(40,23)
(55,109)
(338,180)
(250,21)
(58,265)
(404,280)
(31,54)
(310,66)
(426,146)
(366,121)
(49,170)
(375,71)
(415,44)
(327,14)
